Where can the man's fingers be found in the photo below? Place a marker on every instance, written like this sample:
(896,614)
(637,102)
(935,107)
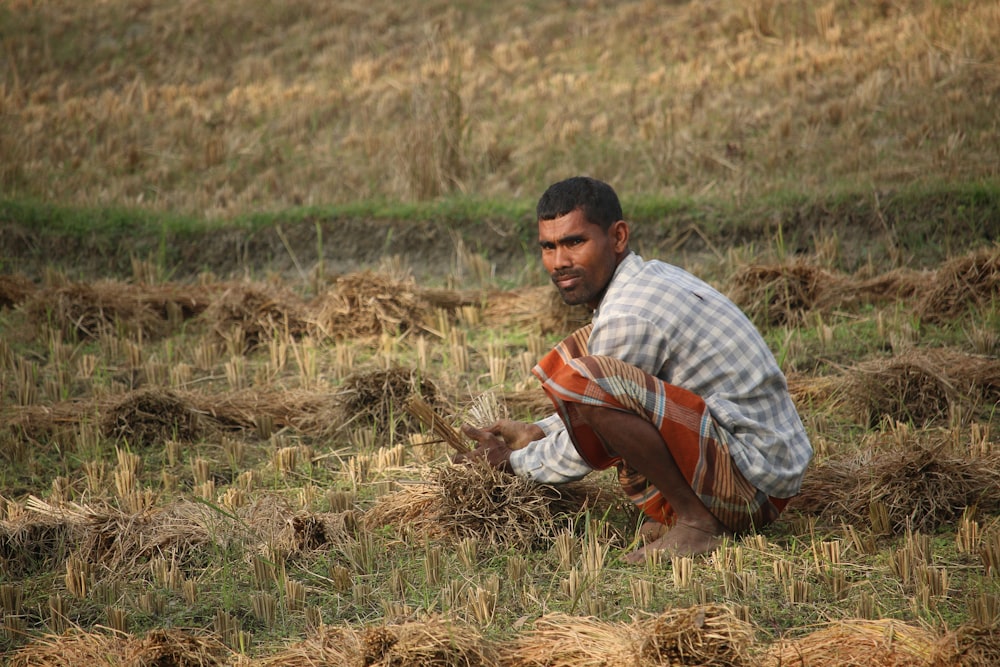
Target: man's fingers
(477,434)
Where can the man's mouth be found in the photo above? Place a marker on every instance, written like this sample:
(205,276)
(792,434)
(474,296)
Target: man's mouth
(565,281)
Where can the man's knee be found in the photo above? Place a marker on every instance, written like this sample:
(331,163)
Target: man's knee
(623,433)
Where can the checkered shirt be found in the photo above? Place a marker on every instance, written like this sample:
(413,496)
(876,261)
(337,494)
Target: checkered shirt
(678,328)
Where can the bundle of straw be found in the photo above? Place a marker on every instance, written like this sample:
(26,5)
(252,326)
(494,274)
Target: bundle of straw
(426,415)
(879,643)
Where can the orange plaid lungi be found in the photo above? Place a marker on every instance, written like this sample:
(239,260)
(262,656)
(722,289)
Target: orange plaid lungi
(571,376)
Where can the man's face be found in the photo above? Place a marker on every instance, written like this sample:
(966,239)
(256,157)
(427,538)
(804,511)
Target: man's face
(580,256)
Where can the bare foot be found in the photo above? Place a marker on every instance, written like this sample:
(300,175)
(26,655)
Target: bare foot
(680,540)
(651,530)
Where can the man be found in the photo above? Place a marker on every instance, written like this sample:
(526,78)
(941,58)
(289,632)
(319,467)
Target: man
(671,382)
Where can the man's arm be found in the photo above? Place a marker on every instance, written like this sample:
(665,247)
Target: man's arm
(550,460)
(528,450)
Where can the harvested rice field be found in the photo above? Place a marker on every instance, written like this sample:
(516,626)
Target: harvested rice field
(260,260)
(258,473)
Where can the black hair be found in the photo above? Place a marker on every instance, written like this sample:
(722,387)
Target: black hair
(596,199)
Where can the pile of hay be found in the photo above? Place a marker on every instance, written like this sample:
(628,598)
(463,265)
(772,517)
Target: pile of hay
(710,635)
(450,299)
(143,417)
(160,648)
(874,643)
(14,289)
(896,285)
(378,399)
(327,646)
(31,543)
(922,386)
(970,281)
(270,523)
(808,391)
(495,507)
(182,531)
(151,417)
(123,542)
(970,646)
(433,642)
(561,640)
(368,304)
(38,423)
(171,301)
(176,648)
(538,309)
(922,486)
(253,313)
(88,311)
(783,294)
(308,412)
(430,643)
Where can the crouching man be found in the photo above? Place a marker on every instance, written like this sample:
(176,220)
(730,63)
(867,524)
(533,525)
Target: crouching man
(670,382)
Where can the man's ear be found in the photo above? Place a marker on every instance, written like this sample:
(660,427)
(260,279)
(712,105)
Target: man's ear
(619,234)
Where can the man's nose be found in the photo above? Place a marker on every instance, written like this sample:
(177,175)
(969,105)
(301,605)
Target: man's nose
(563,259)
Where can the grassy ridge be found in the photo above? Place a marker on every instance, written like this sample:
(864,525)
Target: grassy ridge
(918,226)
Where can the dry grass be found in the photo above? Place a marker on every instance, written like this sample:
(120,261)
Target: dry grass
(558,640)
(788,293)
(969,281)
(122,543)
(155,415)
(14,289)
(881,643)
(167,648)
(328,646)
(709,635)
(427,416)
(783,294)
(369,304)
(150,416)
(89,311)
(533,308)
(249,315)
(923,386)
(377,399)
(233,107)
(970,646)
(191,456)
(494,507)
(924,483)
(430,643)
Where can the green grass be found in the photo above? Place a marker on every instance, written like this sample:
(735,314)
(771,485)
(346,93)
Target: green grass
(914,227)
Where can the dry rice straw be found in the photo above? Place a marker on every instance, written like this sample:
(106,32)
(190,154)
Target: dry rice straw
(423,412)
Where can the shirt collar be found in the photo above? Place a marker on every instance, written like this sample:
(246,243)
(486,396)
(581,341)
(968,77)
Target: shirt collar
(626,269)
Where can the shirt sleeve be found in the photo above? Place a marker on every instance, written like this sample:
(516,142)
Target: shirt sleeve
(552,459)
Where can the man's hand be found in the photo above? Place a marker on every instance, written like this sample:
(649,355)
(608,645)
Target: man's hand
(517,435)
(495,442)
